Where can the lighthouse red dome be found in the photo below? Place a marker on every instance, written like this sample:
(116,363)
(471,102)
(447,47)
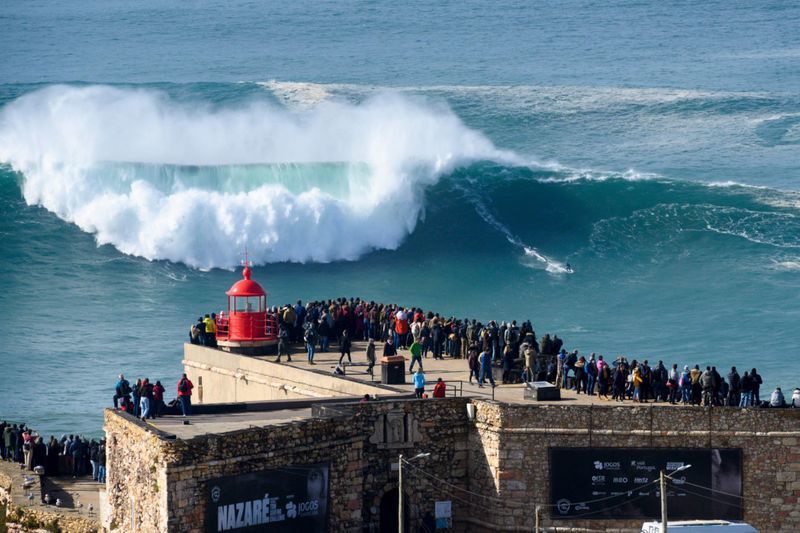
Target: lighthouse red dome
(246,286)
(248,326)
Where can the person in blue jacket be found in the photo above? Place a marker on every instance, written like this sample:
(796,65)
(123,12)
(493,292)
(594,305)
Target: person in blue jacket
(121,389)
(486,369)
(419,383)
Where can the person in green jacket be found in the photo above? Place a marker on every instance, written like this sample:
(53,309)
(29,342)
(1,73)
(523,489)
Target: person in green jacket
(416,356)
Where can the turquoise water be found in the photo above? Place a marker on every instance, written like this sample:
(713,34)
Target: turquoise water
(454,156)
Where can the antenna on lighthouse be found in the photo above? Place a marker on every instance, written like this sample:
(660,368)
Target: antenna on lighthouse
(246,263)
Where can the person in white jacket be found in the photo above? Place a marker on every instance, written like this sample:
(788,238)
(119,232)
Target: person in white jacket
(777,400)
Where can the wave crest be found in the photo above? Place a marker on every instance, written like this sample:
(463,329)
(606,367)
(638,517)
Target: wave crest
(163,180)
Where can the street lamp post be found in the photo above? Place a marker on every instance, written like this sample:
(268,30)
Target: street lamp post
(663,487)
(400,524)
(400,494)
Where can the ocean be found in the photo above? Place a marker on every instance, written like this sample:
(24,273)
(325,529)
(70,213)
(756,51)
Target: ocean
(451,155)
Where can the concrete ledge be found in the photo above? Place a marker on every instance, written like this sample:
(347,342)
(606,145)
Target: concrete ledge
(224,377)
(278,405)
(130,419)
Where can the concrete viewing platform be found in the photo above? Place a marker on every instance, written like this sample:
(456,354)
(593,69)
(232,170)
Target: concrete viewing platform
(454,372)
(235,392)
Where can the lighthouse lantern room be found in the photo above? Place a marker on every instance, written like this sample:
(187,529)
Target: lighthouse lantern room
(248,327)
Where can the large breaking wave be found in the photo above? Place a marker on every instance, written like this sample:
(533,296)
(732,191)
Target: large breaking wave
(194,183)
(321,173)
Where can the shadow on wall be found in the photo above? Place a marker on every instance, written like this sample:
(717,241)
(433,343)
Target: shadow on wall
(388,516)
(483,466)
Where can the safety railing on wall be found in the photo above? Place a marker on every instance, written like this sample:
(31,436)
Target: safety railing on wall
(456,387)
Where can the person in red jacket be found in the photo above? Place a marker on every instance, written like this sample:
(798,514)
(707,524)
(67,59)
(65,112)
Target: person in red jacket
(158,399)
(439,389)
(185,395)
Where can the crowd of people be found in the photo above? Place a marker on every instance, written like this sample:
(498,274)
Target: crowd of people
(641,382)
(514,347)
(204,331)
(319,324)
(145,400)
(70,455)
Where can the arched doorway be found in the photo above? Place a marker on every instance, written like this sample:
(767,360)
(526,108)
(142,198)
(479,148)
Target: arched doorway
(388,518)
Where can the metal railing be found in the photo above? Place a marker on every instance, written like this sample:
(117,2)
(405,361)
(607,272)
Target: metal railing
(458,390)
(257,326)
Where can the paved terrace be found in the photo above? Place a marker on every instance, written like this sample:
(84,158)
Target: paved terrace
(454,372)
(223,423)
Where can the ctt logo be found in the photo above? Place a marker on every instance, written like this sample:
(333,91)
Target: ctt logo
(215,494)
(598,480)
(563,505)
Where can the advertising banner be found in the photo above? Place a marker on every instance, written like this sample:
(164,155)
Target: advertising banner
(624,483)
(287,499)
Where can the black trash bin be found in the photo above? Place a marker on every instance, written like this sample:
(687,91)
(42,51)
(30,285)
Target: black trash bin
(393,370)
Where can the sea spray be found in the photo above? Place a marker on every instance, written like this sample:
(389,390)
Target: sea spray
(105,158)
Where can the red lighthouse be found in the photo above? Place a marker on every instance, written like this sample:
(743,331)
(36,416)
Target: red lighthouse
(248,327)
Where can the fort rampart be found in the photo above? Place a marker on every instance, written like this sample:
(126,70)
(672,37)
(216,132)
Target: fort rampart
(492,466)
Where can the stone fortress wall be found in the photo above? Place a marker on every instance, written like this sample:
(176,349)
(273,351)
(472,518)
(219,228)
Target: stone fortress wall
(160,483)
(157,482)
(515,439)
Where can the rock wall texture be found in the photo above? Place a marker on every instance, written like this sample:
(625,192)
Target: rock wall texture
(493,466)
(136,480)
(515,442)
(160,484)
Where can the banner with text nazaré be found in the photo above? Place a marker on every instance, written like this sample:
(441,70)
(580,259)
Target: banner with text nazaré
(291,498)
(623,483)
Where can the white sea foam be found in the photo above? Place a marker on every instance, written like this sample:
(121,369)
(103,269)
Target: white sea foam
(60,136)
(787,265)
(563,99)
(548,263)
(300,94)
(577,176)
